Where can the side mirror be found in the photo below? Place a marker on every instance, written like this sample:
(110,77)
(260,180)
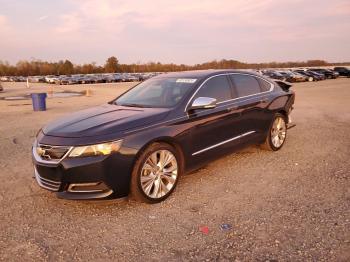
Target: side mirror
(203,103)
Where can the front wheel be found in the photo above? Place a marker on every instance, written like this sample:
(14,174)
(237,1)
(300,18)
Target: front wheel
(277,133)
(155,173)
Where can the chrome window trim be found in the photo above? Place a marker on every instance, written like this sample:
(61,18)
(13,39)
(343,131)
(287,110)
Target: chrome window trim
(227,74)
(200,113)
(220,106)
(191,98)
(222,143)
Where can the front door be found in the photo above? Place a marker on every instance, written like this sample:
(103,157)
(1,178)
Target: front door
(216,128)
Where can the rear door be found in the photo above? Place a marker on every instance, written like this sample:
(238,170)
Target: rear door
(253,96)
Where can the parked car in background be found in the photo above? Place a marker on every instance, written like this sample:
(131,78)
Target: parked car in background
(129,78)
(113,78)
(273,74)
(287,76)
(64,80)
(36,79)
(90,79)
(320,76)
(100,79)
(110,78)
(79,79)
(22,79)
(334,72)
(143,77)
(15,79)
(316,75)
(311,77)
(329,74)
(142,142)
(51,79)
(4,78)
(69,80)
(33,79)
(293,77)
(84,79)
(300,77)
(342,71)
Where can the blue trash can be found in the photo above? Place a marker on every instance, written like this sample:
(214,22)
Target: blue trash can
(39,101)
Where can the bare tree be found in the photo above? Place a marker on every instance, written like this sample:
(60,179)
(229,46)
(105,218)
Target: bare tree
(111,65)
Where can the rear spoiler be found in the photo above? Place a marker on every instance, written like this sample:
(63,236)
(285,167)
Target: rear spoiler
(283,84)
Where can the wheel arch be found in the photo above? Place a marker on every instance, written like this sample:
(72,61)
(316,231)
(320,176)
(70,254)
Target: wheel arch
(166,140)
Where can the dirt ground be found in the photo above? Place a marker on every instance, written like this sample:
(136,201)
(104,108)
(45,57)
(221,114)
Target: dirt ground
(290,205)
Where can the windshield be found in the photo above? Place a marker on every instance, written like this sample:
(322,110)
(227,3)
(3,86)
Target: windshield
(157,92)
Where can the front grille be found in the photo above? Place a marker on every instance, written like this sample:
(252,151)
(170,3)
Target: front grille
(51,153)
(47,183)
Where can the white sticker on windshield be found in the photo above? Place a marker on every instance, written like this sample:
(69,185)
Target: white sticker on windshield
(186,80)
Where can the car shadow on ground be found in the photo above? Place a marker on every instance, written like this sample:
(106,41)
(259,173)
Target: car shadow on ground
(193,177)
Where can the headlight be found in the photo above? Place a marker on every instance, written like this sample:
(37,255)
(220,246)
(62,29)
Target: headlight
(96,150)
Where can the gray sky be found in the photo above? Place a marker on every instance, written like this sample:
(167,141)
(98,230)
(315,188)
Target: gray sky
(179,31)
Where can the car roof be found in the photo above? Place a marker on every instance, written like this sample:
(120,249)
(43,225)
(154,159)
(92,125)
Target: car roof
(199,74)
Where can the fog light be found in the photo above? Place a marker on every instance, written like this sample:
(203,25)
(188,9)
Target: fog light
(87,187)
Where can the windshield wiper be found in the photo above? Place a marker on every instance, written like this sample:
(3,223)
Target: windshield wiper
(133,105)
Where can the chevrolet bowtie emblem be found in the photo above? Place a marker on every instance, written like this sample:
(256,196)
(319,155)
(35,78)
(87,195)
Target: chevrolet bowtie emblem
(42,152)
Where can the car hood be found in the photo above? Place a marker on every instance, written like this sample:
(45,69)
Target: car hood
(104,120)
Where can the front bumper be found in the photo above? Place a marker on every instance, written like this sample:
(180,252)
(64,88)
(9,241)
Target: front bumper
(90,190)
(85,178)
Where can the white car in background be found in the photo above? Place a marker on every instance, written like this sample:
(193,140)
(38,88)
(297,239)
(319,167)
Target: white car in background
(51,79)
(4,78)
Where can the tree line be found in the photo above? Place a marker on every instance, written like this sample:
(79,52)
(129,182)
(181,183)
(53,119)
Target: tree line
(112,65)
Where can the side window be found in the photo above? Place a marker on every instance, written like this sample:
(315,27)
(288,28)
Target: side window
(217,87)
(245,85)
(264,85)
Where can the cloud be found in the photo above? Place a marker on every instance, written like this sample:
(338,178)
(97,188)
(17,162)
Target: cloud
(4,25)
(340,8)
(182,31)
(42,18)
(71,23)
(109,15)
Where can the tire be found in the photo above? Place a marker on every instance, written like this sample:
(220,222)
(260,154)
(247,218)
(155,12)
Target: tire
(275,139)
(150,182)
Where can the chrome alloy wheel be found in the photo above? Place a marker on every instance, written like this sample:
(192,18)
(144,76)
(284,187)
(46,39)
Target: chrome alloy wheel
(159,174)
(278,132)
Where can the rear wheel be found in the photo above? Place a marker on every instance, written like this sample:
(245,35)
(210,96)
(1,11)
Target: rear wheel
(155,173)
(277,134)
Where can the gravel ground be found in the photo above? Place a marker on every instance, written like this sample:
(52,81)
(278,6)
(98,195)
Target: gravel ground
(290,205)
